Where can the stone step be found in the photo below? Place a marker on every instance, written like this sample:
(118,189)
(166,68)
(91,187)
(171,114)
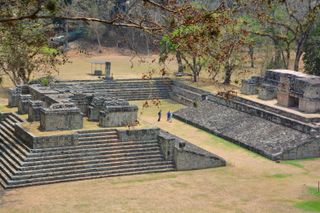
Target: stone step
(7,159)
(97,131)
(85,150)
(6,165)
(82,143)
(9,129)
(88,142)
(15,117)
(83,168)
(15,143)
(6,171)
(98,137)
(11,150)
(87,161)
(94,173)
(85,156)
(4,180)
(93,134)
(89,146)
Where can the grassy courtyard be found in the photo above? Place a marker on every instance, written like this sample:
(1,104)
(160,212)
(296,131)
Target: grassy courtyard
(249,183)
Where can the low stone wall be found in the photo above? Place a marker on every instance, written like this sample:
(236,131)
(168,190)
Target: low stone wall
(138,134)
(40,142)
(185,155)
(309,149)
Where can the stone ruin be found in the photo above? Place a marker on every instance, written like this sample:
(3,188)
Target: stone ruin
(117,113)
(290,88)
(98,103)
(61,117)
(34,110)
(62,107)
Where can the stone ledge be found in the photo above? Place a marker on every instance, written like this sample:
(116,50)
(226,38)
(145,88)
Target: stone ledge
(40,142)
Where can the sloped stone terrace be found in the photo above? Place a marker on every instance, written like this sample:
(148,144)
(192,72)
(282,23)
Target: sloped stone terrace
(259,135)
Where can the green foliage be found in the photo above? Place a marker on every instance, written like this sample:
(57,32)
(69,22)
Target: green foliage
(24,51)
(311,57)
(44,81)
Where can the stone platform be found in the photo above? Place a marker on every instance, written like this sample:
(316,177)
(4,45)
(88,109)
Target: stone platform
(269,139)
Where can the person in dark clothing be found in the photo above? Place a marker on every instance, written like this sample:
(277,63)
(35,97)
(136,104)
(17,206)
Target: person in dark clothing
(159,116)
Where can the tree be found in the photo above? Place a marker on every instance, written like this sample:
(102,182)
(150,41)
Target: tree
(24,51)
(288,23)
(311,56)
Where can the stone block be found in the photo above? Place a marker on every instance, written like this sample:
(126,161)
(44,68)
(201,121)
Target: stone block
(267,92)
(23,103)
(248,88)
(116,116)
(34,110)
(61,117)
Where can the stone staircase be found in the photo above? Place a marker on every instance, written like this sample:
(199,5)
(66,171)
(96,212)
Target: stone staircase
(126,89)
(99,153)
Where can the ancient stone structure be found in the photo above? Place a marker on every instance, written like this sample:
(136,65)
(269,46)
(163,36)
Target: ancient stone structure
(117,113)
(86,95)
(100,102)
(250,87)
(34,109)
(290,88)
(23,103)
(61,117)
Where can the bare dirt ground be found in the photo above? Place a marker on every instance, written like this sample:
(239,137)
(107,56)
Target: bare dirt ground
(249,183)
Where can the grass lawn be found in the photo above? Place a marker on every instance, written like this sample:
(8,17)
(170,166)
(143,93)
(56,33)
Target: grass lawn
(247,184)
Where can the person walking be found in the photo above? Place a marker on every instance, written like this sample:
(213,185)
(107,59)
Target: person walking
(168,115)
(159,115)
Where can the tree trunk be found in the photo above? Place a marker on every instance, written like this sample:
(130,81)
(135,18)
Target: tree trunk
(300,44)
(298,57)
(66,42)
(147,45)
(195,69)
(98,38)
(227,74)
(251,54)
(179,61)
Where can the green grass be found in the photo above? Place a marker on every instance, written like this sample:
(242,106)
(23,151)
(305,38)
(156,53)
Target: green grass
(294,163)
(280,175)
(314,191)
(310,205)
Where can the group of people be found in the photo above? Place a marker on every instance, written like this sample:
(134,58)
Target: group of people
(169,116)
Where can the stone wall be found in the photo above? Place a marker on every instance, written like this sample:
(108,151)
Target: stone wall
(34,110)
(40,142)
(23,103)
(186,155)
(116,116)
(310,149)
(61,118)
(186,94)
(138,134)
